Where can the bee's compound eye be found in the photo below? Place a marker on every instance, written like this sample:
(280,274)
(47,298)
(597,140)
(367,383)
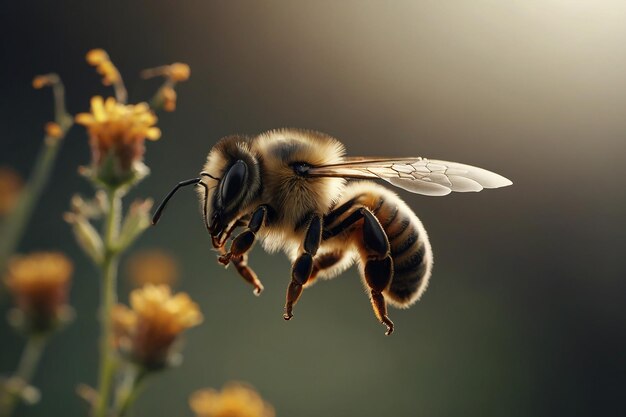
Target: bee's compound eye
(232,184)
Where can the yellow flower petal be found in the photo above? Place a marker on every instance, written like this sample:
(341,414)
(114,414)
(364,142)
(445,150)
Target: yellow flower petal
(153,133)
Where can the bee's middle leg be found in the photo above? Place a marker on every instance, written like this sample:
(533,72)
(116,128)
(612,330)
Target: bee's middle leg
(302,268)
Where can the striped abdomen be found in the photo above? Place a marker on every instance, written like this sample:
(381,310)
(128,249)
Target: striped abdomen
(409,245)
(410,251)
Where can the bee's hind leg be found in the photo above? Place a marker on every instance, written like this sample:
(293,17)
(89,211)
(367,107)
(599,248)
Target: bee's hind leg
(375,256)
(378,266)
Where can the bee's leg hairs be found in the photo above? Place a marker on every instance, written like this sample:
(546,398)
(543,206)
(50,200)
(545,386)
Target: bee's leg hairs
(324,262)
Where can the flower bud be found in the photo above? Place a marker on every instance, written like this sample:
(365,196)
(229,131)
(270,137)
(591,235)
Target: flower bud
(87,237)
(10,188)
(137,220)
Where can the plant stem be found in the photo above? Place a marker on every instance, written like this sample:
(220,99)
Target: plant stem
(14,224)
(129,391)
(24,373)
(108,298)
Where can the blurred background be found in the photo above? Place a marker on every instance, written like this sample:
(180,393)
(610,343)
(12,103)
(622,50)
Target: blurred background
(526,312)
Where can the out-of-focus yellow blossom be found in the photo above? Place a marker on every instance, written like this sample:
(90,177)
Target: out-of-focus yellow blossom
(235,400)
(41,81)
(97,56)
(100,59)
(169,99)
(179,71)
(173,73)
(118,130)
(124,321)
(10,186)
(150,327)
(39,283)
(53,130)
(152,267)
(176,72)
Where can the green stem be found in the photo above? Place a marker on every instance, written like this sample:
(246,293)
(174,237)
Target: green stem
(129,391)
(14,224)
(24,373)
(107,301)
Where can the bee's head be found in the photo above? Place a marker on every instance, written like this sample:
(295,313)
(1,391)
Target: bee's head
(230,182)
(228,186)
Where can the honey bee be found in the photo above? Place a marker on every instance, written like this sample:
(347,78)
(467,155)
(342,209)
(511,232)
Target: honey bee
(292,189)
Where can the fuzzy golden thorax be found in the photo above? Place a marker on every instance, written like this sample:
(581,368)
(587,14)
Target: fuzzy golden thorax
(294,196)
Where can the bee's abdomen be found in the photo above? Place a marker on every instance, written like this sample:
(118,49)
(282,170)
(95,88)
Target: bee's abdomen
(408,242)
(410,250)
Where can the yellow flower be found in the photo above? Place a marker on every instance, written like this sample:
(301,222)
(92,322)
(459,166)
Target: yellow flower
(39,284)
(179,71)
(100,59)
(10,187)
(152,267)
(124,321)
(97,56)
(169,99)
(41,81)
(235,400)
(118,130)
(148,330)
(53,130)
(176,72)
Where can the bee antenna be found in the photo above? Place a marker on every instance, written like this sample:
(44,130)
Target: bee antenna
(159,210)
(206,174)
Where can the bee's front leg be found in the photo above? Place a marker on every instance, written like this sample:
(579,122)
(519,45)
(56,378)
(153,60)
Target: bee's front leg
(242,244)
(303,266)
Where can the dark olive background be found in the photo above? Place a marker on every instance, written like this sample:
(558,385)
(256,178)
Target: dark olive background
(525,314)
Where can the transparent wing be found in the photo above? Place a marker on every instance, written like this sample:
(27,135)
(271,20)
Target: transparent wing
(417,175)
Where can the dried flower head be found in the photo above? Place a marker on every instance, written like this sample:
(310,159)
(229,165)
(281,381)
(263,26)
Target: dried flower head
(235,400)
(117,134)
(152,267)
(10,187)
(39,283)
(149,329)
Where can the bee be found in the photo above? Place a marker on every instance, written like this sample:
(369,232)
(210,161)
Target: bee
(295,191)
